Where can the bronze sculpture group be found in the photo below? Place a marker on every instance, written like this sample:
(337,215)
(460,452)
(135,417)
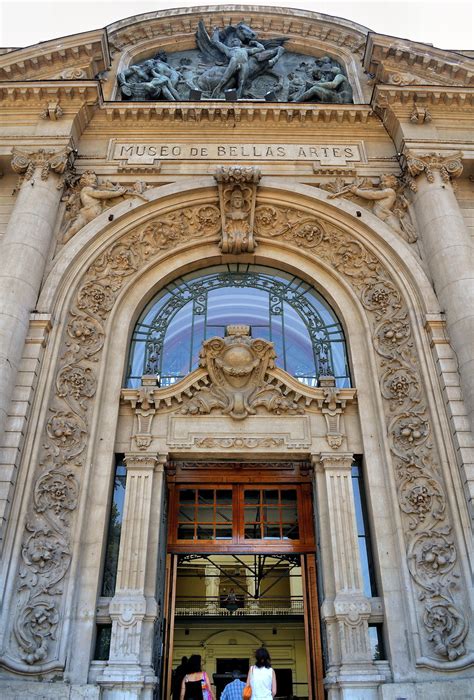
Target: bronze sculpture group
(235,59)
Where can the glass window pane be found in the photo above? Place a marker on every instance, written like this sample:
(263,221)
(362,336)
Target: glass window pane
(291,531)
(272,515)
(187,495)
(253,532)
(223,515)
(185,532)
(288,497)
(205,496)
(204,532)
(224,497)
(271,532)
(205,514)
(186,514)
(252,514)
(251,496)
(270,497)
(223,532)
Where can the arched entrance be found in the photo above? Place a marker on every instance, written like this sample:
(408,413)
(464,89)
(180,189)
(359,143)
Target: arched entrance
(120,267)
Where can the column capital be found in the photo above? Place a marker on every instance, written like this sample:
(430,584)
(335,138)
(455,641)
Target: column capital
(141,461)
(448,165)
(48,160)
(330,461)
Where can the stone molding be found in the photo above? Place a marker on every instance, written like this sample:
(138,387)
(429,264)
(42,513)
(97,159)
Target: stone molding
(66,91)
(196,112)
(301,25)
(443,97)
(89,49)
(432,559)
(400,62)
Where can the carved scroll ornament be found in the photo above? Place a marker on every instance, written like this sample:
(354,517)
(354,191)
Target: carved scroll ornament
(42,583)
(448,165)
(26,162)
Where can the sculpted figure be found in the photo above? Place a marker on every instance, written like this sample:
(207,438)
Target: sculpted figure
(388,204)
(243,56)
(332,86)
(91,198)
(150,80)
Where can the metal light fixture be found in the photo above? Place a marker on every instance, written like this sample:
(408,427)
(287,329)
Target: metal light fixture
(230,95)
(195,94)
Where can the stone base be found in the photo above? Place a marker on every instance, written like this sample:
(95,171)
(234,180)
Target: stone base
(462,689)
(33,690)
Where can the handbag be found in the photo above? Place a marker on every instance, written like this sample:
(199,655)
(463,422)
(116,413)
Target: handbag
(247,691)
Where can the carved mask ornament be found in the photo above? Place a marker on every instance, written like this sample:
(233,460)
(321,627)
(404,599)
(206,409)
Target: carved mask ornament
(237,194)
(237,365)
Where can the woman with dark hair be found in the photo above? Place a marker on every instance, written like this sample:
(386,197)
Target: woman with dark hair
(262,677)
(196,684)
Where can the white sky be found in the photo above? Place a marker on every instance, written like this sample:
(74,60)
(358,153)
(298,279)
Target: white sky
(444,23)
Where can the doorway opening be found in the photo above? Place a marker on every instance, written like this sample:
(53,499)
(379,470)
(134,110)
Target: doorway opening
(241,573)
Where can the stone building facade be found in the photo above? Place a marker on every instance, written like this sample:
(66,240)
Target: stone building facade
(160,161)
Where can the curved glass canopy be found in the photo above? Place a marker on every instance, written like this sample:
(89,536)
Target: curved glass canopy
(279,307)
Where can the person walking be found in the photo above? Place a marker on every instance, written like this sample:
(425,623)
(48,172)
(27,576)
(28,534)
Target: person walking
(177,678)
(261,677)
(196,684)
(233,690)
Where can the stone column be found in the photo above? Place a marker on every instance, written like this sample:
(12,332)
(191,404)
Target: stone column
(449,254)
(346,610)
(211,583)
(24,250)
(129,674)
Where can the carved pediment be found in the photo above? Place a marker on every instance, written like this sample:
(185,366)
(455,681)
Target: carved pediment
(237,378)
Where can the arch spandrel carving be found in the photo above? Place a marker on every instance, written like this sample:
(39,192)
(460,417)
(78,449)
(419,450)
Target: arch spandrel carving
(42,581)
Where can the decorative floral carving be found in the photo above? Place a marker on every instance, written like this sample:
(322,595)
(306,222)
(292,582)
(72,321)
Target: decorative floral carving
(35,625)
(448,629)
(239,442)
(77,382)
(96,298)
(431,549)
(67,431)
(56,492)
(46,550)
(303,230)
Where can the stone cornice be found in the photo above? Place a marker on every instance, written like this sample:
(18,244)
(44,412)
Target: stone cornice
(84,91)
(403,62)
(88,50)
(225,112)
(296,24)
(388,95)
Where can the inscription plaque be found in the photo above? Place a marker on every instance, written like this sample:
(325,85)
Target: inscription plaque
(153,153)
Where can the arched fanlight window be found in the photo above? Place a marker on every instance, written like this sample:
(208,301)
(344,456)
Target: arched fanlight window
(308,338)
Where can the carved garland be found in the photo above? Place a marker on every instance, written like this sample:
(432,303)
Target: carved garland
(47,543)
(431,552)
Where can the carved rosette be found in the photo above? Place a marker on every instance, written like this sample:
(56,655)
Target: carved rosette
(237,195)
(449,166)
(47,541)
(49,528)
(27,162)
(431,551)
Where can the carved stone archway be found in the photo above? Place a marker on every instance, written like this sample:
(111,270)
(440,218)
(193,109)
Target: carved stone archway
(298,226)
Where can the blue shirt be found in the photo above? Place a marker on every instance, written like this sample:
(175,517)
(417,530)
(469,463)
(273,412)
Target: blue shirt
(233,691)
